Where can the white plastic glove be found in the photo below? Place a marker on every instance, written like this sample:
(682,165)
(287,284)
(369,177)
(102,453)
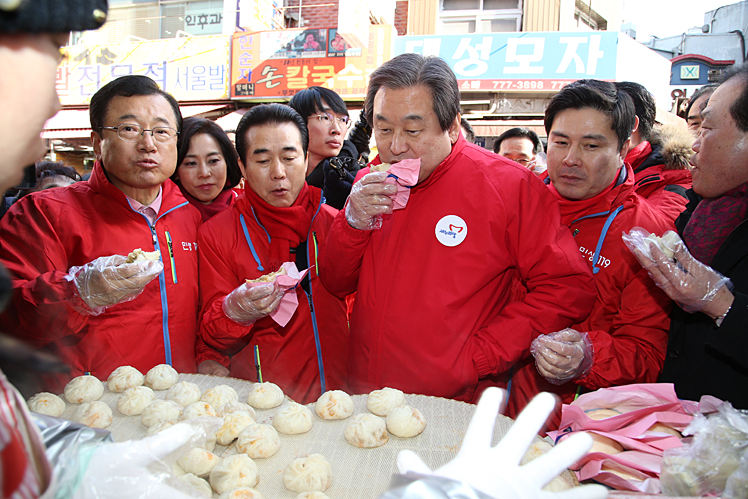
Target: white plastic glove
(246,304)
(135,469)
(370,198)
(695,287)
(563,355)
(108,280)
(495,471)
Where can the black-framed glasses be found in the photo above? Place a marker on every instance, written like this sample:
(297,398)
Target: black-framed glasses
(327,119)
(132,133)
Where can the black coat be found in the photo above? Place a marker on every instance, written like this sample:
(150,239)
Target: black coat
(703,359)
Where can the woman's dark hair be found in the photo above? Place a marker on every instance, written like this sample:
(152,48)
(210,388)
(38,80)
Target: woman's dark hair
(194,126)
(309,101)
(269,114)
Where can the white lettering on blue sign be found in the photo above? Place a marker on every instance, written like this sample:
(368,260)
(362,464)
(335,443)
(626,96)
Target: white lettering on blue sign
(572,45)
(524,60)
(425,47)
(476,56)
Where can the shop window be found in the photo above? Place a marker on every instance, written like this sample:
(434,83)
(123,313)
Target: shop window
(480,16)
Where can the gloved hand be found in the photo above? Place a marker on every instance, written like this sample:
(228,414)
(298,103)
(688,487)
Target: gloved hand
(495,471)
(212,368)
(370,198)
(136,469)
(338,181)
(108,280)
(247,304)
(562,355)
(695,287)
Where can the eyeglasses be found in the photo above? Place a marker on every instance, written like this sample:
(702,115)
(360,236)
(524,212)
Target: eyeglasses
(327,119)
(132,133)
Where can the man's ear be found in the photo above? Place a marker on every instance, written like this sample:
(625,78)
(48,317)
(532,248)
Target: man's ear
(96,141)
(454,130)
(626,147)
(636,125)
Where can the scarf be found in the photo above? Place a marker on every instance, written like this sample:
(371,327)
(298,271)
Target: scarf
(220,203)
(713,220)
(287,227)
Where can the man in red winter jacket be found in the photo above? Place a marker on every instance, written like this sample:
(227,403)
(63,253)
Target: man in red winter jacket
(623,340)
(433,281)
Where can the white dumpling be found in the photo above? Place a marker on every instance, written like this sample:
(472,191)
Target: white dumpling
(312,495)
(381,402)
(293,419)
(134,400)
(197,410)
(199,484)
(199,462)
(219,395)
(94,414)
(334,404)
(124,377)
(235,406)
(242,493)
(405,421)
(233,472)
(178,471)
(160,411)
(367,431)
(84,388)
(184,393)
(308,474)
(161,377)
(47,403)
(258,441)
(265,396)
(233,424)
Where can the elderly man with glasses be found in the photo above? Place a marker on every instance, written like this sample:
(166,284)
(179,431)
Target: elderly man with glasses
(77,291)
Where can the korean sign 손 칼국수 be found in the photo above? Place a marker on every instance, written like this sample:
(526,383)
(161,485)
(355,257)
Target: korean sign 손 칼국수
(520,61)
(279,63)
(191,69)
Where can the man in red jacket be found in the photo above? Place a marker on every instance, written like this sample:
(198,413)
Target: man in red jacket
(278,219)
(623,339)
(433,312)
(73,290)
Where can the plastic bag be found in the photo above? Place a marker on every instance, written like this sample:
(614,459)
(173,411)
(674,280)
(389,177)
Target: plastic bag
(705,464)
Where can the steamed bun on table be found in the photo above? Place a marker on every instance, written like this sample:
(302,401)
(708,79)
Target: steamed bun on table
(265,396)
(46,403)
(124,377)
(94,414)
(334,404)
(405,421)
(184,393)
(219,395)
(160,411)
(381,402)
(161,377)
(235,406)
(366,431)
(308,474)
(258,441)
(312,495)
(197,410)
(241,493)
(293,419)
(134,400)
(233,472)
(199,462)
(83,389)
(233,424)
(199,484)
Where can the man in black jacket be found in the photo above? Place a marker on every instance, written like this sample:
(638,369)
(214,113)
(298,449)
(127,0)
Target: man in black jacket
(708,345)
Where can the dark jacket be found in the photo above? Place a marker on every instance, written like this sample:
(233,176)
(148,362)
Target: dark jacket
(336,184)
(703,359)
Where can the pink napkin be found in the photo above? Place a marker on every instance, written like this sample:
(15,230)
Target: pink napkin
(404,174)
(289,301)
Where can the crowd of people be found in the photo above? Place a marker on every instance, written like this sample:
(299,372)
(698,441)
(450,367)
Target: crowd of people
(491,272)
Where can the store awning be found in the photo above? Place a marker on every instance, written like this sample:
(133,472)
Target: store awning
(231,120)
(74,123)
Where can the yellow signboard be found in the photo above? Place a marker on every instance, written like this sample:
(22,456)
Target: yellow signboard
(191,68)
